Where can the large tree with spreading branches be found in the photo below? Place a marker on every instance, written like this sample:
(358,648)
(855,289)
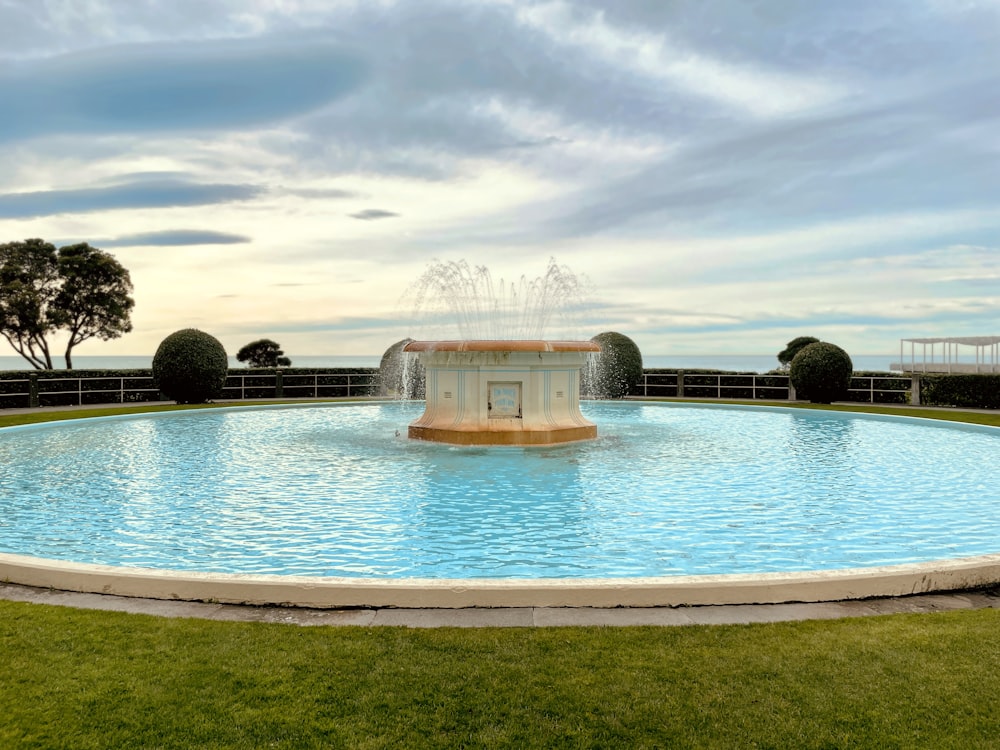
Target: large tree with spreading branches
(78,288)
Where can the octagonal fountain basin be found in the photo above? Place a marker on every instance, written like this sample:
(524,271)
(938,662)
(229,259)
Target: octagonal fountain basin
(327,505)
(493,392)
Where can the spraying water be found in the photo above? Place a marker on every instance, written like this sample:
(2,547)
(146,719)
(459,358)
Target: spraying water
(465,302)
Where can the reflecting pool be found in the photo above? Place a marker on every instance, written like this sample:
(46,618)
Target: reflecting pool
(338,490)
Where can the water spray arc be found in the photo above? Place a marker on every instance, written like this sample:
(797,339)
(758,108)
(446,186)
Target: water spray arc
(500,382)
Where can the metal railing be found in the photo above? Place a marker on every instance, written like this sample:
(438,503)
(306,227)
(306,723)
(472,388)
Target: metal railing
(335,384)
(872,389)
(80,390)
(714,385)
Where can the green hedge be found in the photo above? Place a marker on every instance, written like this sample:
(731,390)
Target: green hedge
(100,387)
(894,390)
(968,391)
(104,386)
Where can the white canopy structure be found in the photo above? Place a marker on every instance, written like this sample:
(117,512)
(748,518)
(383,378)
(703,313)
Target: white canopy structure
(947,355)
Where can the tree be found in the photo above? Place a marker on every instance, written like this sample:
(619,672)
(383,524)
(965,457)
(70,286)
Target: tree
(793,347)
(94,299)
(263,353)
(79,288)
(29,283)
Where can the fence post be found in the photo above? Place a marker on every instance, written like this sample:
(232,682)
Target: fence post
(680,384)
(279,384)
(33,389)
(915,389)
(791,391)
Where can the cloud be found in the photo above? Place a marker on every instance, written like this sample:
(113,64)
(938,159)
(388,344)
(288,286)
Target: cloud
(170,86)
(749,87)
(335,193)
(370,214)
(143,193)
(175,237)
(764,166)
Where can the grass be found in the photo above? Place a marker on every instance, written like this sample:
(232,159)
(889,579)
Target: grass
(37,417)
(989,418)
(90,679)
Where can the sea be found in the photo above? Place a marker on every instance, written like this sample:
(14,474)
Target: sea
(726,362)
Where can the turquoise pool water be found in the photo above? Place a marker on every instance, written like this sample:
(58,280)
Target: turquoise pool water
(332,490)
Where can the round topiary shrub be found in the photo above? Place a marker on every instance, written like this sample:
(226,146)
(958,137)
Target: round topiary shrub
(400,375)
(821,372)
(190,366)
(616,369)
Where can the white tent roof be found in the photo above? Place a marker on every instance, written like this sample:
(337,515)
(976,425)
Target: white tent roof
(964,340)
(987,349)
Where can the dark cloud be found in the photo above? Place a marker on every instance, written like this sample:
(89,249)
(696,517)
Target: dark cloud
(205,85)
(370,214)
(132,194)
(174,238)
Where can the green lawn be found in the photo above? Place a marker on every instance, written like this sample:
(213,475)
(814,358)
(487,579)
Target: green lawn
(89,679)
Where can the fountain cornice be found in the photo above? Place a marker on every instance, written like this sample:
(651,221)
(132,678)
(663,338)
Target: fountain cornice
(501,345)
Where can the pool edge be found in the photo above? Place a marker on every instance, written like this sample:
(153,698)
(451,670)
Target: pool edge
(672,591)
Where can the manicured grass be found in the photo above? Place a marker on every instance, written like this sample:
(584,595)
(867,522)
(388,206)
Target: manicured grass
(36,417)
(87,679)
(990,418)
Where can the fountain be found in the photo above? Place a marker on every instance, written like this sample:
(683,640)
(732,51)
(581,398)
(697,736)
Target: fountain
(500,382)
(677,504)
(482,392)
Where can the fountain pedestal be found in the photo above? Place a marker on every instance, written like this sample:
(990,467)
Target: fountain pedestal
(502,392)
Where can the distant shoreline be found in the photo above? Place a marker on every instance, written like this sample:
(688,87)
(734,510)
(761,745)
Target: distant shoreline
(727,362)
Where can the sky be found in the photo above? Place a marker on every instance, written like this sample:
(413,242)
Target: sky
(721,176)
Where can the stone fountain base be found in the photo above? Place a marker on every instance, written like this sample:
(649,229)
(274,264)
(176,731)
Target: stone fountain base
(502,392)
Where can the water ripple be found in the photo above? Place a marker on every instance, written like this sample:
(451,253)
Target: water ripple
(666,489)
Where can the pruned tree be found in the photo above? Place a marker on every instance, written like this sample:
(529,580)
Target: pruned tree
(793,347)
(263,353)
(78,288)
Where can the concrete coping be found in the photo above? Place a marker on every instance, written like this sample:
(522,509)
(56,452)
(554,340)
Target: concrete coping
(342,592)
